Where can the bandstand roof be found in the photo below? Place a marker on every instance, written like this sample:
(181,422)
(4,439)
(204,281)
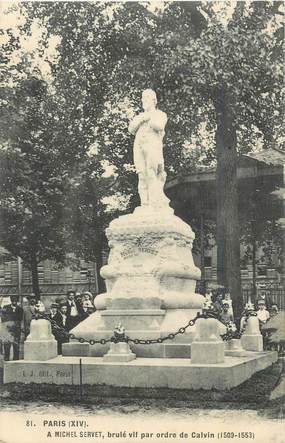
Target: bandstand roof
(257,172)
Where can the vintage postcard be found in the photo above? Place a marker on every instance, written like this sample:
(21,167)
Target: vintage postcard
(141,221)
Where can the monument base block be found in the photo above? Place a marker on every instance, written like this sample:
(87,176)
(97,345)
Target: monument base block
(163,350)
(233,345)
(40,350)
(142,372)
(79,349)
(207,352)
(252,342)
(119,352)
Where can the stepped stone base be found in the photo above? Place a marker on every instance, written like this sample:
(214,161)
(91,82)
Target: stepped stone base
(207,352)
(150,279)
(89,329)
(141,372)
(167,350)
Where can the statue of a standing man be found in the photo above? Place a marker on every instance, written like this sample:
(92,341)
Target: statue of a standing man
(148,128)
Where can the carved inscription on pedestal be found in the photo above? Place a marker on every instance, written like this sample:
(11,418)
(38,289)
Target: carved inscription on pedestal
(44,375)
(140,246)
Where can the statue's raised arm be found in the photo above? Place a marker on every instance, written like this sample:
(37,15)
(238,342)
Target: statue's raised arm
(137,122)
(148,128)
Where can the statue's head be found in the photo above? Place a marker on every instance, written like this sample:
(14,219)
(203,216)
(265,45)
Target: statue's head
(149,100)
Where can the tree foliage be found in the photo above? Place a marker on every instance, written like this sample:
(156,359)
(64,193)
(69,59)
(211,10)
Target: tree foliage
(199,62)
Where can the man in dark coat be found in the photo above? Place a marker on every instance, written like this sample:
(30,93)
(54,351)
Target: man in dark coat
(85,311)
(12,315)
(64,322)
(74,309)
(29,312)
(54,314)
(56,320)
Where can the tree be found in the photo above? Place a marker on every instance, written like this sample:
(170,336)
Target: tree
(33,181)
(227,62)
(225,74)
(236,78)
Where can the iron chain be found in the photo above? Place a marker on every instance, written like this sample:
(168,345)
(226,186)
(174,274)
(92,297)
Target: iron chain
(127,339)
(136,341)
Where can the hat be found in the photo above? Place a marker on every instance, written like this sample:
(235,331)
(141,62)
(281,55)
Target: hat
(54,305)
(261,302)
(71,291)
(62,303)
(225,303)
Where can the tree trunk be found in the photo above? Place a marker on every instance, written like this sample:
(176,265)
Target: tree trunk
(253,262)
(99,263)
(228,242)
(35,275)
(202,248)
(101,281)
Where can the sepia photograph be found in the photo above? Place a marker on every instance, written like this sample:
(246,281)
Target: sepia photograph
(142,267)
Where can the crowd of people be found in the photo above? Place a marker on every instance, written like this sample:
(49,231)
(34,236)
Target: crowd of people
(65,313)
(222,306)
(68,313)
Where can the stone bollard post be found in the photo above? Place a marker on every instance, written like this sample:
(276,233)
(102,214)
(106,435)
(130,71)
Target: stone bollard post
(40,344)
(120,352)
(252,340)
(208,347)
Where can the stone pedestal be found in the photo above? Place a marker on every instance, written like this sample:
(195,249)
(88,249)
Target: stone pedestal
(150,279)
(252,340)
(234,348)
(234,345)
(40,344)
(119,352)
(252,343)
(208,347)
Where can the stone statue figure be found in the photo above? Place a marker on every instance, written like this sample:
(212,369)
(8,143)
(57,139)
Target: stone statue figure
(148,128)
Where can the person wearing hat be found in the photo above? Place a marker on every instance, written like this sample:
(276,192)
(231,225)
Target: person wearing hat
(73,309)
(262,313)
(29,312)
(85,310)
(63,321)
(55,316)
(63,317)
(53,312)
(218,304)
(12,315)
(226,316)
